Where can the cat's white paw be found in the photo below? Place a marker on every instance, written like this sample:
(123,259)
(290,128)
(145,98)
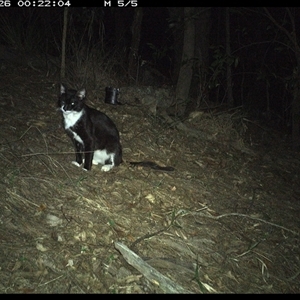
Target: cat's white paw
(106,168)
(94,162)
(75,163)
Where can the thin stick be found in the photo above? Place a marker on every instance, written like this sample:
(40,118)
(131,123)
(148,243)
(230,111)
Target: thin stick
(51,280)
(253,218)
(51,153)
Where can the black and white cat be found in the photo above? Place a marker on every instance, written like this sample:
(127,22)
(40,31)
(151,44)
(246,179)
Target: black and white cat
(93,133)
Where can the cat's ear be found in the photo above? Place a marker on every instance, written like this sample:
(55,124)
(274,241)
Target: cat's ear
(81,94)
(62,89)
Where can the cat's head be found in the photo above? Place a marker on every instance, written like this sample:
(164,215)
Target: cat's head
(71,100)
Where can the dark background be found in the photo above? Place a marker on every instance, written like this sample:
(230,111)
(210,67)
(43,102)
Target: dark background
(263,60)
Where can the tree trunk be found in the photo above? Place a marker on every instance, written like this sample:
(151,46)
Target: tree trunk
(63,46)
(230,100)
(296,108)
(120,29)
(199,87)
(133,64)
(176,25)
(187,61)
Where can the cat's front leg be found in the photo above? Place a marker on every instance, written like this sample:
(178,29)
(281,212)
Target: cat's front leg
(78,154)
(88,157)
(88,161)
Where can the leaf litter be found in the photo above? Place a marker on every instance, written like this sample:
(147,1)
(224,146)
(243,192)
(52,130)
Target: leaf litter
(225,221)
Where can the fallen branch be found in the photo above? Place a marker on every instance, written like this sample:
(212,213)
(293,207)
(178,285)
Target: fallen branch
(167,285)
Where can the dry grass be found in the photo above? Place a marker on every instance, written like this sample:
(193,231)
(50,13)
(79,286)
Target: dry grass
(223,222)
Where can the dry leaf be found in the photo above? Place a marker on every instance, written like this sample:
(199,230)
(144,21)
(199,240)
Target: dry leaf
(151,198)
(41,248)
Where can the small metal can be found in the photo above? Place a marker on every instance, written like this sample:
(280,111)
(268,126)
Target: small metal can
(111,95)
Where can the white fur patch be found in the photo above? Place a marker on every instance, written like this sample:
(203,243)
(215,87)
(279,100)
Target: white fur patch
(75,163)
(71,117)
(77,137)
(100,156)
(106,168)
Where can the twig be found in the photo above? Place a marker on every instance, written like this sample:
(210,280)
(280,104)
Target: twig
(52,153)
(253,218)
(146,236)
(149,235)
(48,153)
(24,133)
(51,280)
(24,200)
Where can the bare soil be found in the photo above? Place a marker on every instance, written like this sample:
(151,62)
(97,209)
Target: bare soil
(225,221)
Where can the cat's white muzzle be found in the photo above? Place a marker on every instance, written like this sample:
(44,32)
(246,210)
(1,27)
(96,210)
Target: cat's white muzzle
(65,112)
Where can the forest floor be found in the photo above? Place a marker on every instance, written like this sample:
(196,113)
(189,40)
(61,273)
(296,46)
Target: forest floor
(225,221)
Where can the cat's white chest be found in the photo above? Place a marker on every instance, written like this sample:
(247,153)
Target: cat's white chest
(71,118)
